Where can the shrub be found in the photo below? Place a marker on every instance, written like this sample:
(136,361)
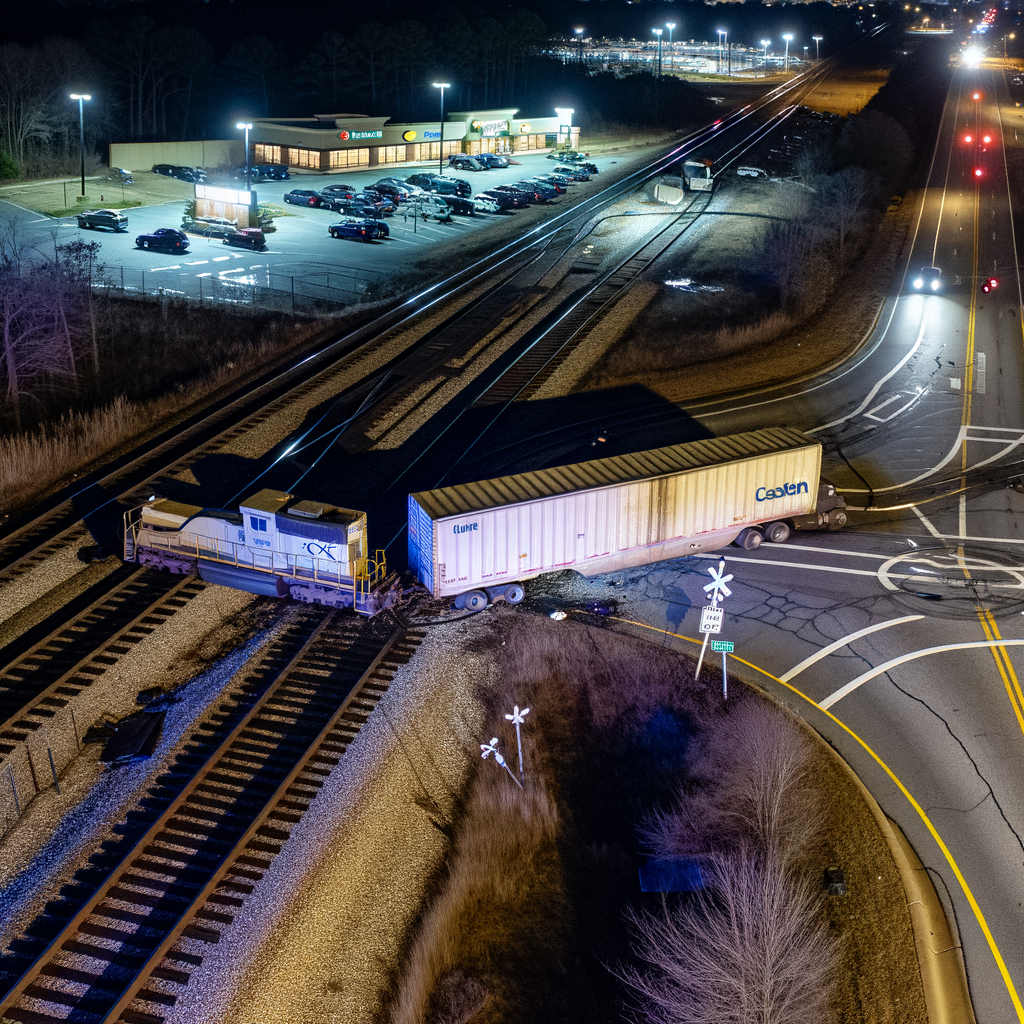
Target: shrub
(8,168)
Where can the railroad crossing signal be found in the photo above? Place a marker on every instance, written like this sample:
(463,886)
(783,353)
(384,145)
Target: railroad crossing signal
(711,617)
(723,646)
(719,579)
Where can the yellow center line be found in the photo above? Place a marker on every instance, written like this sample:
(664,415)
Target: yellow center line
(978,915)
(1005,666)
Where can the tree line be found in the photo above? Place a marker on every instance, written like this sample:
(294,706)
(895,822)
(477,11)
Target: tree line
(153,82)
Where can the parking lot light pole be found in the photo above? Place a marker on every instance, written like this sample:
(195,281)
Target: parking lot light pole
(81,131)
(789,38)
(243,125)
(670,25)
(440,160)
(579,45)
(721,32)
(657,32)
(817,46)
(764,44)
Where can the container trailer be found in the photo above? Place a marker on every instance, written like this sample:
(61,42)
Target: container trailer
(478,542)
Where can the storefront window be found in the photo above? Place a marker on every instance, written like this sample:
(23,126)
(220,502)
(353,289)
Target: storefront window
(392,154)
(264,154)
(305,158)
(349,158)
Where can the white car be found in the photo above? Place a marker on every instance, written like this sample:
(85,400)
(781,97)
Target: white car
(486,205)
(928,280)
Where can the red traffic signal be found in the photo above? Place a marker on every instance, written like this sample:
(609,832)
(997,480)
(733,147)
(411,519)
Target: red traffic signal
(977,172)
(990,285)
(968,138)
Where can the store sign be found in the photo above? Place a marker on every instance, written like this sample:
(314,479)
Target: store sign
(431,135)
(408,136)
(490,128)
(226,195)
(525,129)
(345,136)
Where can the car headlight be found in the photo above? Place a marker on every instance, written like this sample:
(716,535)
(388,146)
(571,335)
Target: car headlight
(935,286)
(918,283)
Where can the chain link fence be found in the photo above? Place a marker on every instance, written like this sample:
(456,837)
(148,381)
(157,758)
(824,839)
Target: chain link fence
(312,292)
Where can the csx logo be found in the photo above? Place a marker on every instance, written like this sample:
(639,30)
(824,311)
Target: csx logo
(782,491)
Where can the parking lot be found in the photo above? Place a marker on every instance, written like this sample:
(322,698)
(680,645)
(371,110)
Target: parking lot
(301,248)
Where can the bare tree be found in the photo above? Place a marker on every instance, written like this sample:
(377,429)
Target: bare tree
(751,948)
(253,63)
(843,200)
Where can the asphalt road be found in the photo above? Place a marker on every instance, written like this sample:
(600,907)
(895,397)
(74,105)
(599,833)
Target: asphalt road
(929,422)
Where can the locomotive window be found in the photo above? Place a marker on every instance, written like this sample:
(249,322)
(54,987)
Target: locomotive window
(257,524)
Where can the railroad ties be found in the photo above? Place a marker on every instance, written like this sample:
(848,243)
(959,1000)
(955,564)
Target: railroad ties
(124,954)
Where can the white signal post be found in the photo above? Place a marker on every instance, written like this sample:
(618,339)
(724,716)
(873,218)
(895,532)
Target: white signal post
(711,618)
(492,748)
(517,718)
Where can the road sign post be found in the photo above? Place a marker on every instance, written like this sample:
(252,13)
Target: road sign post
(725,647)
(711,617)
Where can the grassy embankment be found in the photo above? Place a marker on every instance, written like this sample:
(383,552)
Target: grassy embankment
(529,921)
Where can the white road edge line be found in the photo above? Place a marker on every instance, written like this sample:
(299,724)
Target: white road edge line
(843,642)
(903,659)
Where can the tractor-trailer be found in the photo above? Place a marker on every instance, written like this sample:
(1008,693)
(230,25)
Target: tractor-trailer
(478,542)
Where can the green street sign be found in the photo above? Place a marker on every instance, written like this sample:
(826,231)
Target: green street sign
(722,646)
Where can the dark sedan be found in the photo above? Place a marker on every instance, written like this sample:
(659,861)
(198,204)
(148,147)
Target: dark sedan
(573,173)
(389,191)
(382,204)
(506,200)
(304,197)
(519,195)
(362,230)
(461,205)
(164,239)
(345,191)
(550,183)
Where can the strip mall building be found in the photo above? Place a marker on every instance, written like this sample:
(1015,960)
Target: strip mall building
(338,142)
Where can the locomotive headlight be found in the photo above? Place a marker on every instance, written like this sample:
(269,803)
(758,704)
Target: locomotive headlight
(919,283)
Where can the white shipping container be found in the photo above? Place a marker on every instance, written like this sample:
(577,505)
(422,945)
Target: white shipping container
(610,513)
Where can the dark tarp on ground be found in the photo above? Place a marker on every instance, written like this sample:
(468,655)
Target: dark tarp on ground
(136,736)
(670,875)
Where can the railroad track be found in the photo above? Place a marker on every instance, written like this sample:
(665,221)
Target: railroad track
(204,838)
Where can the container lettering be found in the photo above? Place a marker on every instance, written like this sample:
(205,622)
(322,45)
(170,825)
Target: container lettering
(782,491)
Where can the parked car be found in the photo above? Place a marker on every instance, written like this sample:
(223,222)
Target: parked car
(400,183)
(428,206)
(492,160)
(462,162)
(486,204)
(573,173)
(355,208)
(566,154)
(119,175)
(210,227)
(347,191)
(393,192)
(246,238)
(537,193)
(378,228)
(255,175)
(274,172)
(439,185)
(543,189)
(304,197)
(548,181)
(461,205)
(190,174)
(165,239)
(505,200)
(520,197)
(585,165)
(382,204)
(103,219)
(561,180)
(359,229)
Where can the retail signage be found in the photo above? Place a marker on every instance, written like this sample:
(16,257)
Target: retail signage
(226,195)
(490,128)
(525,129)
(346,135)
(408,136)
(431,135)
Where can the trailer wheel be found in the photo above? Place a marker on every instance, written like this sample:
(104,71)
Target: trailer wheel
(777,533)
(514,593)
(749,539)
(836,519)
(475,600)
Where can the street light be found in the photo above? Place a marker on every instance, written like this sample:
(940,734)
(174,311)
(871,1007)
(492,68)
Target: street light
(657,32)
(817,46)
(579,43)
(565,121)
(248,163)
(721,32)
(788,37)
(81,131)
(671,55)
(1005,37)
(440,160)
(764,43)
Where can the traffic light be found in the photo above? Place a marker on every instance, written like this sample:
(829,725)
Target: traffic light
(990,285)
(968,138)
(977,172)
